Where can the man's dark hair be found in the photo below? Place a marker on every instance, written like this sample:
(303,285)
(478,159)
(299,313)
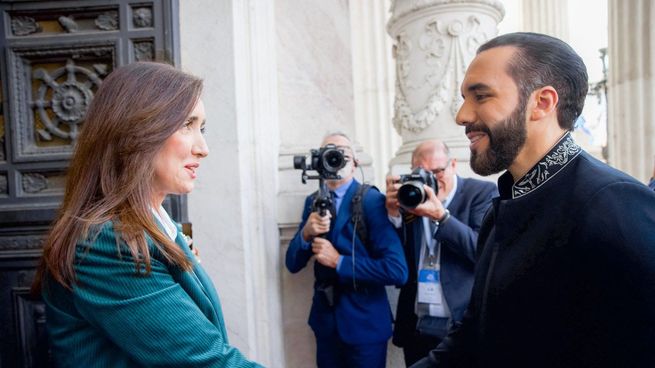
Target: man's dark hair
(541,61)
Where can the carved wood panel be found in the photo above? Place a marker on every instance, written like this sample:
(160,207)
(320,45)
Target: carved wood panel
(55,55)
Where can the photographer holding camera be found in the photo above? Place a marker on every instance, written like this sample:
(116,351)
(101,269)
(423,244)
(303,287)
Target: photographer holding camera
(438,215)
(350,313)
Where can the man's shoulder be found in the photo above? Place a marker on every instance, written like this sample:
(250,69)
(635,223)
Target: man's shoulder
(373,195)
(590,179)
(597,174)
(370,195)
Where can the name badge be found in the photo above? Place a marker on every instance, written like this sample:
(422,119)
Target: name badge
(429,286)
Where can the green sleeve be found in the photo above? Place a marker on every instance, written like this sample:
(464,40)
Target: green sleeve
(150,317)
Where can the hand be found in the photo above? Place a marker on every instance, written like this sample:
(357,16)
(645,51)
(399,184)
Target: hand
(194,250)
(316,225)
(325,252)
(392,204)
(432,207)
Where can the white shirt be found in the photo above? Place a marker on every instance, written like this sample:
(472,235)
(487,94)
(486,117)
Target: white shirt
(166,221)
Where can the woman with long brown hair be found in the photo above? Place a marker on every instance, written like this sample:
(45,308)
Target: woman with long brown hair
(122,288)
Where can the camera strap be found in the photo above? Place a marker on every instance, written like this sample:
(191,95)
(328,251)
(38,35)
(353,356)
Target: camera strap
(358,213)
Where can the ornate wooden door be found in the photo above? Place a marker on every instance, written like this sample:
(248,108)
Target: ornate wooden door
(55,54)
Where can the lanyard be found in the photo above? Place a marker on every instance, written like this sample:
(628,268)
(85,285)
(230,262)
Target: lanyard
(433,251)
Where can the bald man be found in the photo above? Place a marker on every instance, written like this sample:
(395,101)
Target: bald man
(439,240)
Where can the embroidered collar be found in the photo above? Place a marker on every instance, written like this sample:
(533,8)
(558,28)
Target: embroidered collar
(564,151)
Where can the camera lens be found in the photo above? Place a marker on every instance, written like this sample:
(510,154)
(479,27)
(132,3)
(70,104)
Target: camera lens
(411,194)
(333,160)
(299,162)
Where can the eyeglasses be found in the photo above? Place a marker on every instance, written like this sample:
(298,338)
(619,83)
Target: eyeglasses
(440,170)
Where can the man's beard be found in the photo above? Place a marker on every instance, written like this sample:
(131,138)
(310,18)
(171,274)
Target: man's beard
(506,139)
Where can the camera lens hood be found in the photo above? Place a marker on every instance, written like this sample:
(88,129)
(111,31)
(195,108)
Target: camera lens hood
(333,160)
(411,194)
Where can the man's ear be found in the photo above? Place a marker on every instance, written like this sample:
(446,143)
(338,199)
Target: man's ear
(355,162)
(544,103)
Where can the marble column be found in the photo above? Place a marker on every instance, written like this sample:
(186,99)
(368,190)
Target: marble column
(315,96)
(631,88)
(434,41)
(373,84)
(231,45)
(550,17)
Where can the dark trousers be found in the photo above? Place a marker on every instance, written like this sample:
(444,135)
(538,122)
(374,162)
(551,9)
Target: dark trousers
(331,352)
(419,347)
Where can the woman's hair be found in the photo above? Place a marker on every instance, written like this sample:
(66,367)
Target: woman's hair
(136,108)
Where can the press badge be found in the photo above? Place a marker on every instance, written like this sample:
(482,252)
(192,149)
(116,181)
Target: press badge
(429,287)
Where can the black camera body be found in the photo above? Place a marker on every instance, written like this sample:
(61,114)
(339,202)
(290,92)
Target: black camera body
(411,193)
(326,161)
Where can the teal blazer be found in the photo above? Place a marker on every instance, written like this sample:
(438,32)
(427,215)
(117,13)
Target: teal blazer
(115,317)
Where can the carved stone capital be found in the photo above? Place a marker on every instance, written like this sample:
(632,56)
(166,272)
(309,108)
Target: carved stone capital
(402,8)
(434,42)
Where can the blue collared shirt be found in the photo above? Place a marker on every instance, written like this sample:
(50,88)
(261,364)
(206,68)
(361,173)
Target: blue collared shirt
(339,193)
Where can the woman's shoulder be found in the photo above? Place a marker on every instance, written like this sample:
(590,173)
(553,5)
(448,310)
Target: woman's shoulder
(104,248)
(107,238)
(100,241)
(99,235)
(103,239)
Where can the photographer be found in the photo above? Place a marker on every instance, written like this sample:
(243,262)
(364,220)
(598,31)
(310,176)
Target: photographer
(350,313)
(439,239)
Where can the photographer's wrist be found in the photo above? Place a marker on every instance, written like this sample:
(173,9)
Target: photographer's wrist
(437,215)
(444,217)
(306,236)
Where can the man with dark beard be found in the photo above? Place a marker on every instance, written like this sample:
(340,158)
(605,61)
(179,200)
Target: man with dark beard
(566,273)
